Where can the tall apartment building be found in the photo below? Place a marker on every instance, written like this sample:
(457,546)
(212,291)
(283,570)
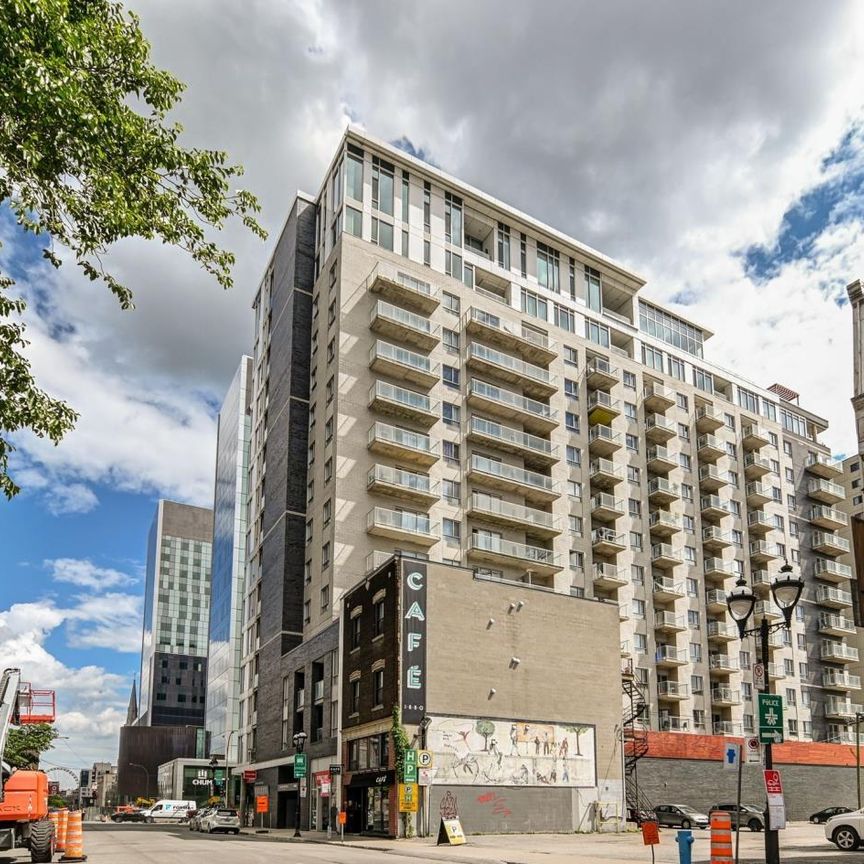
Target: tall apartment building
(176,615)
(483,390)
(228,579)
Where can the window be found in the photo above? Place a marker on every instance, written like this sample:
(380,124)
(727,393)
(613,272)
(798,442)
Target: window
(564,318)
(574,489)
(630,411)
(451,450)
(792,727)
(450,376)
(689,524)
(662,325)
(309,531)
(695,652)
(635,540)
(634,506)
(353,221)
(325,597)
(744,659)
(571,388)
(307,572)
(574,455)
(451,490)
(355,632)
(571,421)
(354,176)
(452,219)
(597,333)
(652,358)
(772,437)
(328,470)
(405,197)
(548,268)
(503,246)
(637,574)
(779,522)
(747,720)
(803,672)
(427,253)
(791,502)
(638,608)
(737,538)
(378,618)
(378,687)
(693,620)
(690,554)
(775,466)
(577,560)
(328,430)
(686,491)
(450,413)
(593,290)
(325,555)
(453,265)
(630,380)
(427,205)
(451,339)
(571,356)
(523,255)
(685,462)
(354,699)
(748,400)
(572,278)
(534,305)
(575,524)
(382,234)
(632,442)
(788,667)
(640,643)
(699,718)
(676,368)
(450,302)
(307,611)
(703,380)
(747,690)
(692,587)
(697,684)
(451,529)
(634,474)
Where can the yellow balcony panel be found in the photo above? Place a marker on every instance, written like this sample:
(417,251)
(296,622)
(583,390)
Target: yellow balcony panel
(602,408)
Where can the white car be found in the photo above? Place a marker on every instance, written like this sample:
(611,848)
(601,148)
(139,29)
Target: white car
(846,830)
(220,819)
(165,809)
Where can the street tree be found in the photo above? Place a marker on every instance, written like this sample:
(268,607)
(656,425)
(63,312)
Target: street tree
(25,744)
(88,157)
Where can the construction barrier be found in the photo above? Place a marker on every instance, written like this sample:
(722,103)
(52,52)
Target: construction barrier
(721,838)
(74,838)
(62,822)
(54,816)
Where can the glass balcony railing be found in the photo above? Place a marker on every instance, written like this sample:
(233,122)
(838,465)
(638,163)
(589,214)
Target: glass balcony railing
(516,512)
(508,435)
(408,480)
(487,319)
(402,437)
(395,354)
(510,472)
(383,309)
(513,364)
(511,399)
(487,543)
(400,396)
(413,523)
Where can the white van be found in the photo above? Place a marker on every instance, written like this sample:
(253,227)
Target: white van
(174,811)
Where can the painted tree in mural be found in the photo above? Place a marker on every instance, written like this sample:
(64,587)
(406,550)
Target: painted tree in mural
(485,728)
(577,731)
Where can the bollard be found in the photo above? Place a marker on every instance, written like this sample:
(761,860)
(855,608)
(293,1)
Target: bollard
(62,822)
(684,839)
(74,839)
(721,837)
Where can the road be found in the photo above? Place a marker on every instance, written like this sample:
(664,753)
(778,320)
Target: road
(159,844)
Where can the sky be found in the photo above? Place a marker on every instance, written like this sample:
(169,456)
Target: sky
(716,149)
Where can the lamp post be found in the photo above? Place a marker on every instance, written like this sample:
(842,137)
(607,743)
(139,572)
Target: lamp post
(299,742)
(227,772)
(741,601)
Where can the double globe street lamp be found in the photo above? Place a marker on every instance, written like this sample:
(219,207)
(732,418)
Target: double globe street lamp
(786,590)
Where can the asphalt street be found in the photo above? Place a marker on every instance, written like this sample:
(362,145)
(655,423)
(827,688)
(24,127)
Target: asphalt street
(160,844)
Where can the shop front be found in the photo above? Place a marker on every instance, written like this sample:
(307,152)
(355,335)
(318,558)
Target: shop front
(369,802)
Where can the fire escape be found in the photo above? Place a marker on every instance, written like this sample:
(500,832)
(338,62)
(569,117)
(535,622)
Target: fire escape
(635,723)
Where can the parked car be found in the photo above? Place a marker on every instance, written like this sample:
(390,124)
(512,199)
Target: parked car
(220,819)
(193,818)
(749,816)
(826,813)
(680,816)
(127,814)
(846,830)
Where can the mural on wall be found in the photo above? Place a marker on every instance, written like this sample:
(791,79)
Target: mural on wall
(480,751)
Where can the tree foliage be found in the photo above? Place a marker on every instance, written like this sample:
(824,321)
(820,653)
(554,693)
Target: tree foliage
(25,744)
(88,157)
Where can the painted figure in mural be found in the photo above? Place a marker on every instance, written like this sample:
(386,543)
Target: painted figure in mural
(536,745)
(514,740)
(563,749)
(565,773)
(546,744)
(522,776)
(493,749)
(448,808)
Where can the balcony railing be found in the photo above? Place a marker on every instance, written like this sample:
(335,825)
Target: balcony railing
(511,436)
(828,517)
(516,512)
(723,662)
(832,596)
(838,651)
(507,331)
(413,523)
(512,400)
(395,319)
(837,678)
(410,400)
(830,544)
(826,491)
(511,473)
(509,549)
(403,438)
(514,365)
(416,367)
(826,569)
(673,689)
(824,466)
(407,480)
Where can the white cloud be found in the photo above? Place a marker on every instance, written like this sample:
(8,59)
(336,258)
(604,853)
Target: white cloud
(83,572)
(70,498)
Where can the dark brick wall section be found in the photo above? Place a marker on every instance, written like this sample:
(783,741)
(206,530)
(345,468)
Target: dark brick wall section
(150,746)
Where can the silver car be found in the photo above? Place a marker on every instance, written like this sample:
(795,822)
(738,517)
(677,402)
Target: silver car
(221,819)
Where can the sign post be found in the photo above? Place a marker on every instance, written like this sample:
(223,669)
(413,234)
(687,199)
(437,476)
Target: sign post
(770,718)
(650,836)
(299,765)
(776,805)
(409,767)
(753,752)
(262,806)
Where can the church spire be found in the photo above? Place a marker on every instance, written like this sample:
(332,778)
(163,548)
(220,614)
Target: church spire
(132,710)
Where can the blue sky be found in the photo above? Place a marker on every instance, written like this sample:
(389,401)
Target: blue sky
(729,177)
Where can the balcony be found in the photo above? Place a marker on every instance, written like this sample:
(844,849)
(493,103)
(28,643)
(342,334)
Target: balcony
(605,541)
(604,473)
(711,478)
(710,448)
(713,508)
(600,374)
(756,466)
(660,430)
(664,556)
(762,552)
(720,631)
(825,491)
(656,397)
(509,515)
(607,508)
(386,398)
(715,600)
(603,440)
(494,550)
(709,419)
(831,571)
(661,460)
(827,517)
(755,436)
(529,344)
(761,581)
(714,539)
(623,608)
(835,625)
(725,696)
(672,691)
(602,408)
(539,452)
(727,727)
(674,724)
(609,577)
(841,708)
(662,523)
(837,652)
(404,326)
(626,651)
(669,622)
(498,475)
(758,494)
(403,288)
(824,466)
(767,610)
(667,589)
(670,656)
(403,364)
(829,544)
(715,570)
(776,671)
(398,525)
(833,598)
(376,559)
(534,380)
(398,483)
(533,415)
(840,679)
(402,444)
(722,664)
(662,491)
(759,522)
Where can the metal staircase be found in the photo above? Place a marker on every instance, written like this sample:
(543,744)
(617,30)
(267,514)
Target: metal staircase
(635,723)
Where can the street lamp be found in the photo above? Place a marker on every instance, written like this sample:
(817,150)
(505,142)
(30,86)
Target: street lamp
(741,601)
(147,774)
(299,742)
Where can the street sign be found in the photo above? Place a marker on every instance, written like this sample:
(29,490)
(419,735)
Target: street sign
(262,804)
(770,718)
(342,818)
(335,769)
(776,805)
(302,787)
(425,776)
(773,786)
(409,797)
(758,675)
(753,752)
(300,765)
(650,834)
(250,776)
(731,756)
(409,767)
(424,758)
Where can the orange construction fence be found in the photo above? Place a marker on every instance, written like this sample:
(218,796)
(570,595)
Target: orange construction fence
(721,838)
(74,838)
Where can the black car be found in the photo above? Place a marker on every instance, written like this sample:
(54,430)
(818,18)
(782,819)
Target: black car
(825,814)
(747,816)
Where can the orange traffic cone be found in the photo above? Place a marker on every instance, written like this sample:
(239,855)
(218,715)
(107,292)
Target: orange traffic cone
(62,821)
(54,816)
(74,839)
(721,837)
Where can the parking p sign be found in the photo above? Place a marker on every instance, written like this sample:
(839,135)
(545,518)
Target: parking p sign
(770,719)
